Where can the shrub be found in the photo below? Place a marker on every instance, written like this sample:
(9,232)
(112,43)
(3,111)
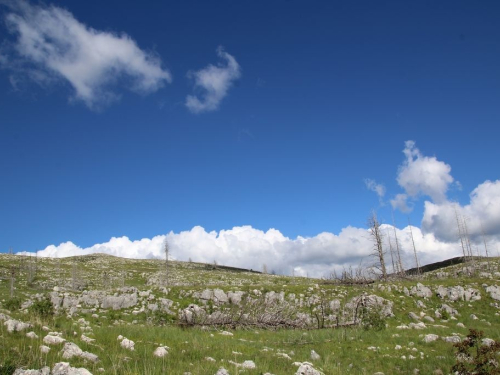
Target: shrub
(7,368)
(114,315)
(42,308)
(372,319)
(445,315)
(161,318)
(475,358)
(12,304)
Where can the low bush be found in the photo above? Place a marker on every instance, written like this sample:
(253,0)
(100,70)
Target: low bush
(474,357)
(372,319)
(42,308)
(12,304)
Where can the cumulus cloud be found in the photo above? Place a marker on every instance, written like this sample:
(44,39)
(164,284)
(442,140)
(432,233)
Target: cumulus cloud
(423,175)
(379,189)
(51,44)
(213,83)
(248,247)
(400,202)
(482,215)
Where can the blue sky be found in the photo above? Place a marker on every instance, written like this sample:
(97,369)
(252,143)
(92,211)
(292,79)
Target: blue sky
(323,96)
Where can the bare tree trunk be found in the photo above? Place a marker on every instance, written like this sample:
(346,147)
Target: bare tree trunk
(392,252)
(12,280)
(485,247)
(166,250)
(377,240)
(460,234)
(414,248)
(74,276)
(401,268)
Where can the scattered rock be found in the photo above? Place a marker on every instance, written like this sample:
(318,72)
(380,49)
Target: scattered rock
(16,325)
(71,350)
(315,356)
(160,352)
(44,371)
(307,369)
(32,335)
(63,368)
(53,340)
(430,338)
(248,365)
(127,344)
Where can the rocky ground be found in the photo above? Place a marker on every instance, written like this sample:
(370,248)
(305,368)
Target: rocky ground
(102,314)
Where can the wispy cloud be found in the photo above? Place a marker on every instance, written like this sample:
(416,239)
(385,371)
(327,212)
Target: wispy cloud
(50,42)
(213,83)
(379,189)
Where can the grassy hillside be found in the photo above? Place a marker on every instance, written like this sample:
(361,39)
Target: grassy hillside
(208,317)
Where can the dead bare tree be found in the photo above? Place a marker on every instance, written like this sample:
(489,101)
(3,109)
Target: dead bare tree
(166,250)
(398,253)
(378,249)
(391,250)
(485,246)
(414,248)
(74,275)
(12,280)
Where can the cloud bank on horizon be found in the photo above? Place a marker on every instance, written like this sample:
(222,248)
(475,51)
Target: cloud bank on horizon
(248,247)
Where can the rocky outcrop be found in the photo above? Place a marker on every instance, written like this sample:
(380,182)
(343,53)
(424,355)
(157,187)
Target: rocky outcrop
(120,301)
(420,291)
(458,293)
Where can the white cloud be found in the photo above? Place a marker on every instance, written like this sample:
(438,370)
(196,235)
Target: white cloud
(379,189)
(52,43)
(214,83)
(248,247)
(424,175)
(482,215)
(400,202)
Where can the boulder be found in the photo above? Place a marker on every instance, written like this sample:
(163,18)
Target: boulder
(16,325)
(160,352)
(430,338)
(43,371)
(235,297)
(123,301)
(248,365)
(63,368)
(53,340)
(421,291)
(307,369)
(127,344)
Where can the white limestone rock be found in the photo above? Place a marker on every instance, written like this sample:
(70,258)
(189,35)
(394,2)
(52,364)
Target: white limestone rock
(307,369)
(53,340)
(32,335)
(430,338)
(127,344)
(160,352)
(63,368)
(16,325)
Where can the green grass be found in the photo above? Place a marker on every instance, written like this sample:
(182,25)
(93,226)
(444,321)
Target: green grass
(342,350)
